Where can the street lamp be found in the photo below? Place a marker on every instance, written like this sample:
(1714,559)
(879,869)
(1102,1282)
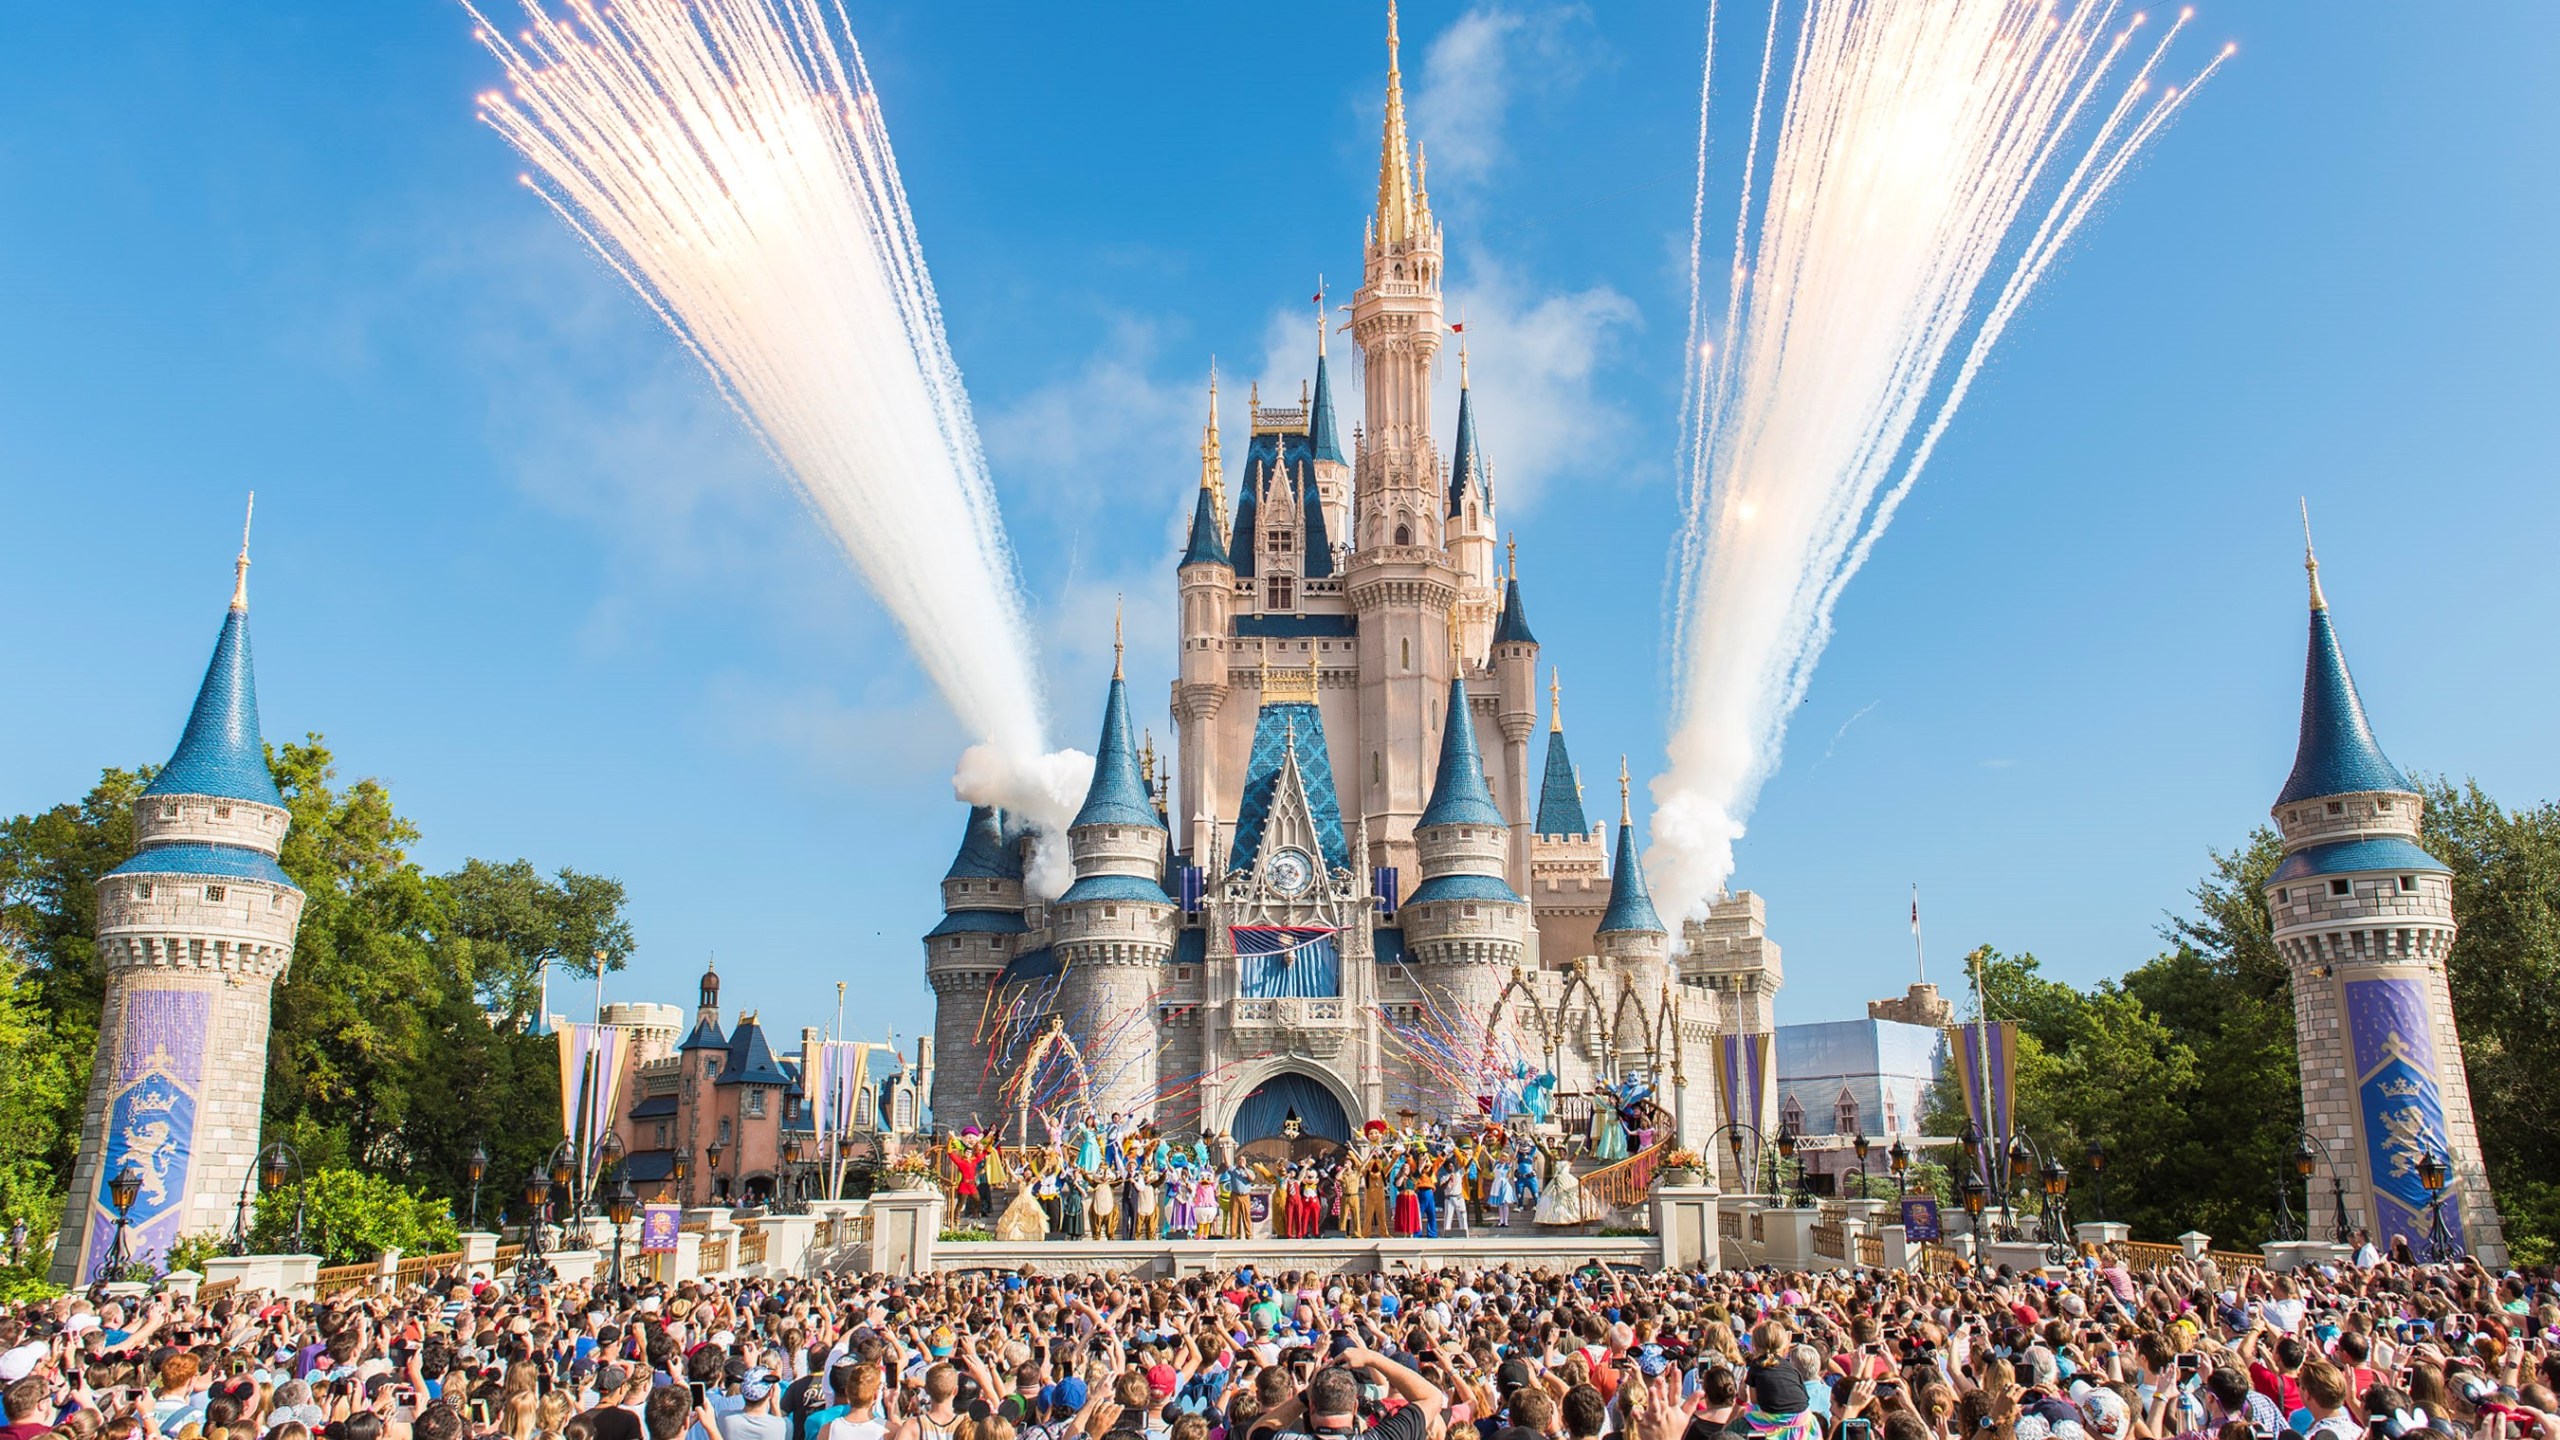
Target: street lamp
(1745,1171)
(276,1164)
(712,1155)
(619,1203)
(1786,1152)
(121,1192)
(1860,1145)
(1975,1193)
(477,1167)
(2097,1158)
(2342,1230)
(532,1271)
(2440,1246)
(2057,1183)
(1898,1160)
(791,1174)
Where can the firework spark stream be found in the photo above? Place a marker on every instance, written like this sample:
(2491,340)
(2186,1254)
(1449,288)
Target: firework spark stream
(728,158)
(1931,158)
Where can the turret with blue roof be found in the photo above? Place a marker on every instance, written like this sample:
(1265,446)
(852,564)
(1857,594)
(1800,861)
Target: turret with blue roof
(1630,901)
(1117,837)
(1466,458)
(1560,794)
(1462,839)
(982,891)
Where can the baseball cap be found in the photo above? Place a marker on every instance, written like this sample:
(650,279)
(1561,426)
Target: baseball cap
(757,1385)
(18,1364)
(1067,1394)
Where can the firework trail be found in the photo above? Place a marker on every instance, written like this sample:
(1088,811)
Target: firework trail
(1931,159)
(729,160)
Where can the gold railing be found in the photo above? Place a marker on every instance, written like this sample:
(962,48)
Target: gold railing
(208,1293)
(1629,1181)
(414,1269)
(505,1254)
(1759,1228)
(1830,1240)
(854,1230)
(1939,1260)
(2237,1259)
(1729,1224)
(751,1248)
(1871,1251)
(715,1256)
(2143,1255)
(334,1279)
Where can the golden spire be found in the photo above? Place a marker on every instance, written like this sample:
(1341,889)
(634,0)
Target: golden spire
(1555,700)
(1147,760)
(1319,318)
(1462,357)
(1626,815)
(1511,552)
(240,567)
(1395,174)
(1116,643)
(1213,470)
(2310,561)
(1457,655)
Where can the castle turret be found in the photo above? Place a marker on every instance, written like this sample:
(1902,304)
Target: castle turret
(1113,928)
(1632,940)
(1568,874)
(1464,925)
(1324,445)
(1470,526)
(981,928)
(1396,317)
(193,933)
(2364,919)
(1207,577)
(1515,686)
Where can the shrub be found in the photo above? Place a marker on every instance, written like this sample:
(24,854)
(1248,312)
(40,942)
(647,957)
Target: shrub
(351,1216)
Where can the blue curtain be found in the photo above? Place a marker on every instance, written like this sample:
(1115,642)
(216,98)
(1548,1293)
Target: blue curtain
(1319,1114)
(1273,961)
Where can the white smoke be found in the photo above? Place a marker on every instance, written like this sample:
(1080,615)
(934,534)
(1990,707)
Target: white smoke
(1921,145)
(1041,790)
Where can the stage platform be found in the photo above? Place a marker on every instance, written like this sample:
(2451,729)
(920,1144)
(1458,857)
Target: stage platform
(1527,1249)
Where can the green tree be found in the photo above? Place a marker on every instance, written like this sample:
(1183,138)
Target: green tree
(351,1215)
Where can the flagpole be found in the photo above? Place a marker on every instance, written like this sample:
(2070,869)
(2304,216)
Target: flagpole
(1919,956)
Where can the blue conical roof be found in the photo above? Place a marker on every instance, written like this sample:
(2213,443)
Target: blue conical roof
(1318,556)
(985,854)
(221,753)
(1458,794)
(1207,546)
(1323,438)
(2337,754)
(1118,795)
(1464,465)
(1559,798)
(1512,628)
(1630,903)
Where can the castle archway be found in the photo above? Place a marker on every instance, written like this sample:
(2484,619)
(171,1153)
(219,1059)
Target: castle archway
(1323,1110)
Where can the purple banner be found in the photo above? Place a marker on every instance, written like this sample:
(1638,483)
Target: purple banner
(150,1121)
(2392,1038)
(1987,1056)
(659,1225)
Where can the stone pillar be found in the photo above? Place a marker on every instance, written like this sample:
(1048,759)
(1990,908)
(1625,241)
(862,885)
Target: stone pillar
(1899,1252)
(786,1243)
(479,1252)
(1790,1233)
(2194,1243)
(904,1226)
(1684,1217)
(2102,1233)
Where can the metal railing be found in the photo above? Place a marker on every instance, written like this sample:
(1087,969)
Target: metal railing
(335,1279)
(2143,1255)
(414,1269)
(1830,1240)
(1729,1224)
(211,1291)
(751,1247)
(1871,1251)
(1629,1181)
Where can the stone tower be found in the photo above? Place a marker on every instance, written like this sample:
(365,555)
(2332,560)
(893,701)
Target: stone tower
(194,932)
(2364,919)
(1403,585)
(1207,577)
(980,931)
(1113,928)
(1466,928)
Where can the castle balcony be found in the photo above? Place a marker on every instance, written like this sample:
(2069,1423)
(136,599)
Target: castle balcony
(1317,1025)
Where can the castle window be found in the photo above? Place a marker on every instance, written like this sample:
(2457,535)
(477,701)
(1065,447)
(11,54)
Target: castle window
(1844,1116)
(2341,887)
(1110,912)
(221,812)
(1406,651)
(2337,807)
(1181,972)
(2281,896)
(662,1135)
(2292,815)
(1279,542)
(755,1102)
(1280,593)
(1791,1115)
(1377,770)
(213,893)
(2408,882)
(2382,802)
(142,891)
(1404,534)
(275,901)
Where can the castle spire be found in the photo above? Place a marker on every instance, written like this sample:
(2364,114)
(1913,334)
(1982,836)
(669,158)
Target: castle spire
(1555,700)
(2310,560)
(1117,643)
(1395,168)
(221,753)
(240,567)
(1630,900)
(2336,754)
(1560,792)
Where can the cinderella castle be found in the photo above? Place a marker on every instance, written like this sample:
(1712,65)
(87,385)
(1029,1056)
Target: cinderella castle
(1349,897)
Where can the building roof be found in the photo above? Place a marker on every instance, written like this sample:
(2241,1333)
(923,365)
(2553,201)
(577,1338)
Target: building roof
(1513,626)
(978,922)
(221,754)
(648,1167)
(1560,795)
(1297,627)
(1630,901)
(751,1060)
(1316,559)
(1133,889)
(220,862)
(1118,794)
(655,1107)
(706,1036)
(1463,887)
(1040,964)
(1190,946)
(986,852)
(1281,457)
(1458,793)
(2337,754)
(2385,854)
(1466,462)
(1324,438)
(1388,941)
(1278,727)
(1206,547)
(1248,508)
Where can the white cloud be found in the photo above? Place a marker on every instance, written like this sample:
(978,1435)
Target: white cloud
(1110,440)
(1477,69)
(1540,414)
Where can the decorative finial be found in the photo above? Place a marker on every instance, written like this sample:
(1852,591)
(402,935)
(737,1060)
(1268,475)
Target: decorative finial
(2310,561)
(240,568)
(1320,336)
(1117,645)
(1511,552)
(1555,699)
(1626,814)
(1457,655)
(1213,468)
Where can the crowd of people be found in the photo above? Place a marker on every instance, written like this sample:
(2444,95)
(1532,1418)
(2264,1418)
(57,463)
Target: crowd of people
(2094,1352)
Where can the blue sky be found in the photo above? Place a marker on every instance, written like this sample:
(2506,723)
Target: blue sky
(515,559)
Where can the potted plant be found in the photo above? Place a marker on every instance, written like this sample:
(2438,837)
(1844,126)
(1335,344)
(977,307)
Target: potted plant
(1681,1167)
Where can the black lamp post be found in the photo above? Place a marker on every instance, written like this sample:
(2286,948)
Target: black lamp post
(1860,1145)
(1972,1140)
(476,1167)
(2022,1171)
(1975,1194)
(1786,1152)
(276,1164)
(532,1271)
(712,1156)
(2096,1155)
(1898,1160)
(2057,1213)
(121,1192)
(2433,1175)
(790,1200)
(619,1204)
(2302,1159)
(1740,1136)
